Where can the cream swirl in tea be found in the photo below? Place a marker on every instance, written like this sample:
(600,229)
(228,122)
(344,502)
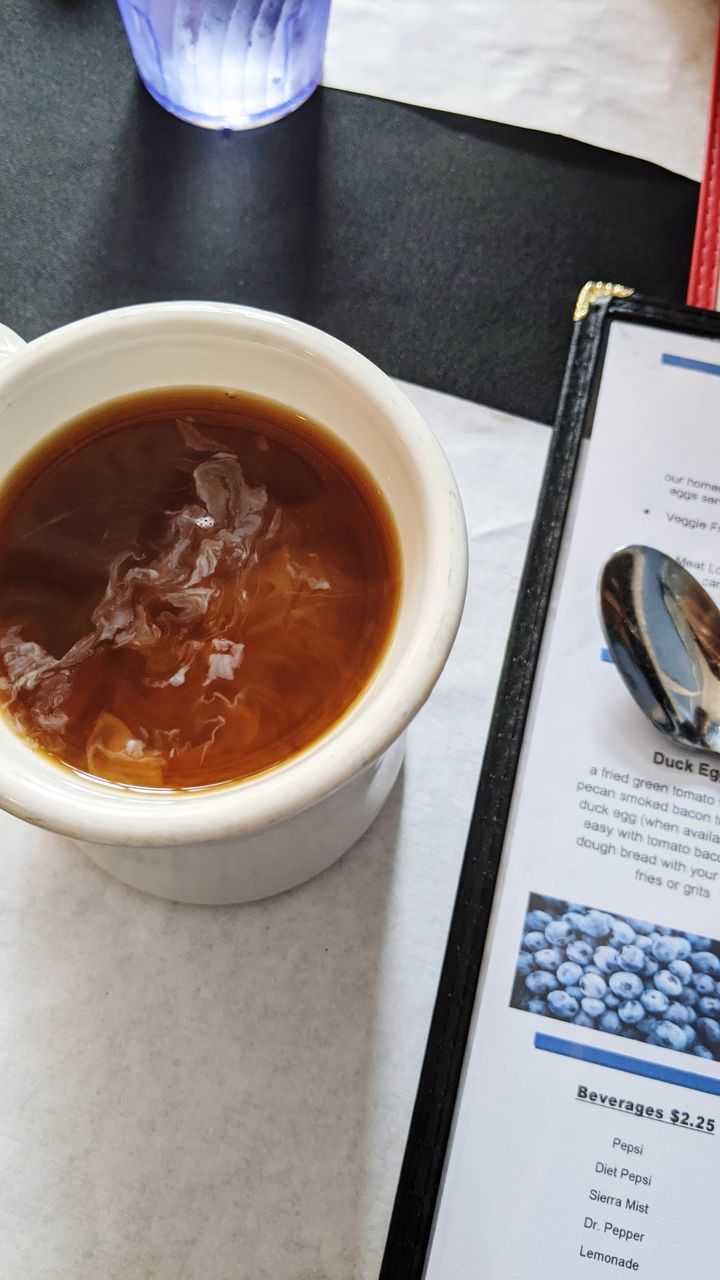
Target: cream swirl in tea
(195,584)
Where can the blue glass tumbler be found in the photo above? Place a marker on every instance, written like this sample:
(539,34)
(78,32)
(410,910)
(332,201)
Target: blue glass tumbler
(228,64)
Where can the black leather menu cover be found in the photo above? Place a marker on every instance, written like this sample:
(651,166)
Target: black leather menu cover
(424,1159)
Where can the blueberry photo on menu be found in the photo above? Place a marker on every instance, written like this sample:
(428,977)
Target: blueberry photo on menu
(626,977)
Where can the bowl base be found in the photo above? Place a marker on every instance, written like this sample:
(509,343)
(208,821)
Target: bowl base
(246,868)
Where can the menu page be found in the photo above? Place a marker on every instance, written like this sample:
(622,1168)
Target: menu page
(587,1134)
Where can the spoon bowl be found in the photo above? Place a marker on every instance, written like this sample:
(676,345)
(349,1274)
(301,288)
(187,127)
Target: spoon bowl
(663,632)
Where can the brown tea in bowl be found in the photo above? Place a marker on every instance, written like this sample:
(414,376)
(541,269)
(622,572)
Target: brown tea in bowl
(195,585)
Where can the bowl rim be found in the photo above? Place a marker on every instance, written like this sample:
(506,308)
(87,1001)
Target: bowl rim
(48,794)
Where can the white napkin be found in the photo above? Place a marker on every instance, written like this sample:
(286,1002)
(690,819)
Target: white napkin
(225,1092)
(632,77)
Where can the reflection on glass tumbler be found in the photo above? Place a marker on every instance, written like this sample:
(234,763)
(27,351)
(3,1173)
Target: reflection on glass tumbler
(228,64)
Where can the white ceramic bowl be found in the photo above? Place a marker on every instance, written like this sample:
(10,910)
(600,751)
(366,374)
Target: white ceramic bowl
(253,838)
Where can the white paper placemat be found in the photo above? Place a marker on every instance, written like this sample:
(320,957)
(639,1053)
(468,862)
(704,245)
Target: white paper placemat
(632,77)
(225,1092)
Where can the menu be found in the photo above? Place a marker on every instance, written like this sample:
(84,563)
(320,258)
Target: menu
(587,1132)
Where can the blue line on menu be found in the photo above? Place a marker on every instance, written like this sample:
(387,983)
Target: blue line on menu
(697,366)
(620,1062)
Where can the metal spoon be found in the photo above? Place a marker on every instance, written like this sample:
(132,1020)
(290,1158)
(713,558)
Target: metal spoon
(663,631)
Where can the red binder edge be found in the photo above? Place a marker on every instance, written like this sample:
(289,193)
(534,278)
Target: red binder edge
(705,264)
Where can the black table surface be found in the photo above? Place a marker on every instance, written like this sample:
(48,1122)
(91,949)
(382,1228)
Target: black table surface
(448,250)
